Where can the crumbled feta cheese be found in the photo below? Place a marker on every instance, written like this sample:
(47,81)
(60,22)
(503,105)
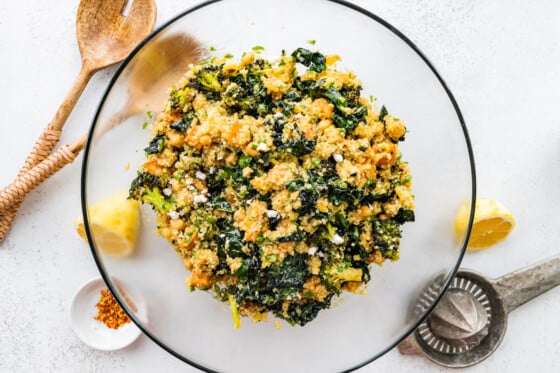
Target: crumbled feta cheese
(249,201)
(173,214)
(272,213)
(188,181)
(337,240)
(278,115)
(200,199)
(212,169)
(338,157)
(167,192)
(200,175)
(262,147)
(312,250)
(298,115)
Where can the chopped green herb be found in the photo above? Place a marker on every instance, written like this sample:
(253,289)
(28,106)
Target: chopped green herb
(244,161)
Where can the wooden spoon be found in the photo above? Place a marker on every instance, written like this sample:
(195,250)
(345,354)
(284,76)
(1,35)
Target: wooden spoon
(105,37)
(157,66)
(154,69)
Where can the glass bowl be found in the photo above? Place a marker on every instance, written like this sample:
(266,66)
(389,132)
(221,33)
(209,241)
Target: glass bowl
(359,328)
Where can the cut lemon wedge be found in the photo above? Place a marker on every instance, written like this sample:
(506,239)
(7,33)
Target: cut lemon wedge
(114,223)
(492,223)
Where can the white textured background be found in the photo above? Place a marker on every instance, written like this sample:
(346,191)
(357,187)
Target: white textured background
(501,60)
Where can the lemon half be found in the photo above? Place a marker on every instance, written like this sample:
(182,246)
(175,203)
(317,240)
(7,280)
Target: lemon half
(114,224)
(492,223)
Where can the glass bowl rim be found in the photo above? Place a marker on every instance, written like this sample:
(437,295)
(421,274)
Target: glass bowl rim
(374,17)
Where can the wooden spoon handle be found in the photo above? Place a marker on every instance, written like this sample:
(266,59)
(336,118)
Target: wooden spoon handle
(64,110)
(47,141)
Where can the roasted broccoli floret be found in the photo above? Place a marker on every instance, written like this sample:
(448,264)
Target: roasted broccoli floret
(239,99)
(352,94)
(142,182)
(147,189)
(207,79)
(177,98)
(246,95)
(156,199)
(386,238)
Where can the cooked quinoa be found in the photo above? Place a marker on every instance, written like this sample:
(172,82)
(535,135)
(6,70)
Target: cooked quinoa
(277,183)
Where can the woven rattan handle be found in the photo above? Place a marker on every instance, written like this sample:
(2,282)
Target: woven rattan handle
(41,150)
(12,195)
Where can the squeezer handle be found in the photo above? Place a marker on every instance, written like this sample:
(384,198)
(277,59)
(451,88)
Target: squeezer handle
(521,286)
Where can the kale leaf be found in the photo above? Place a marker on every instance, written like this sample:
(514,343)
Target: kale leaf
(295,184)
(404,215)
(349,121)
(301,147)
(336,98)
(301,313)
(315,61)
(229,240)
(184,123)
(308,201)
(382,113)
(156,144)
(340,192)
(221,204)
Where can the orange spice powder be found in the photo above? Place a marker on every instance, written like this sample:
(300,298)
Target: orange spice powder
(109,312)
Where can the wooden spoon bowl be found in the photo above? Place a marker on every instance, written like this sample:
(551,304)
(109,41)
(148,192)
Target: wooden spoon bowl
(105,35)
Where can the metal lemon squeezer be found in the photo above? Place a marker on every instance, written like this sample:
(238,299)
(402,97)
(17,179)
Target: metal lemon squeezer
(469,322)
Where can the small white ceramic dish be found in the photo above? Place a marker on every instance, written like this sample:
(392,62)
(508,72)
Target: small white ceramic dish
(93,332)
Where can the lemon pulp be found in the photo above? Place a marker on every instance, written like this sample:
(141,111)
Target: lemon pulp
(492,223)
(114,223)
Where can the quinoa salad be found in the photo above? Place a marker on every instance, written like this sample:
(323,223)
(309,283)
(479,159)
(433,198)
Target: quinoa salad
(276,182)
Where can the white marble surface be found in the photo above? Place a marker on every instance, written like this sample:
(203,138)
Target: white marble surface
(500,58)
